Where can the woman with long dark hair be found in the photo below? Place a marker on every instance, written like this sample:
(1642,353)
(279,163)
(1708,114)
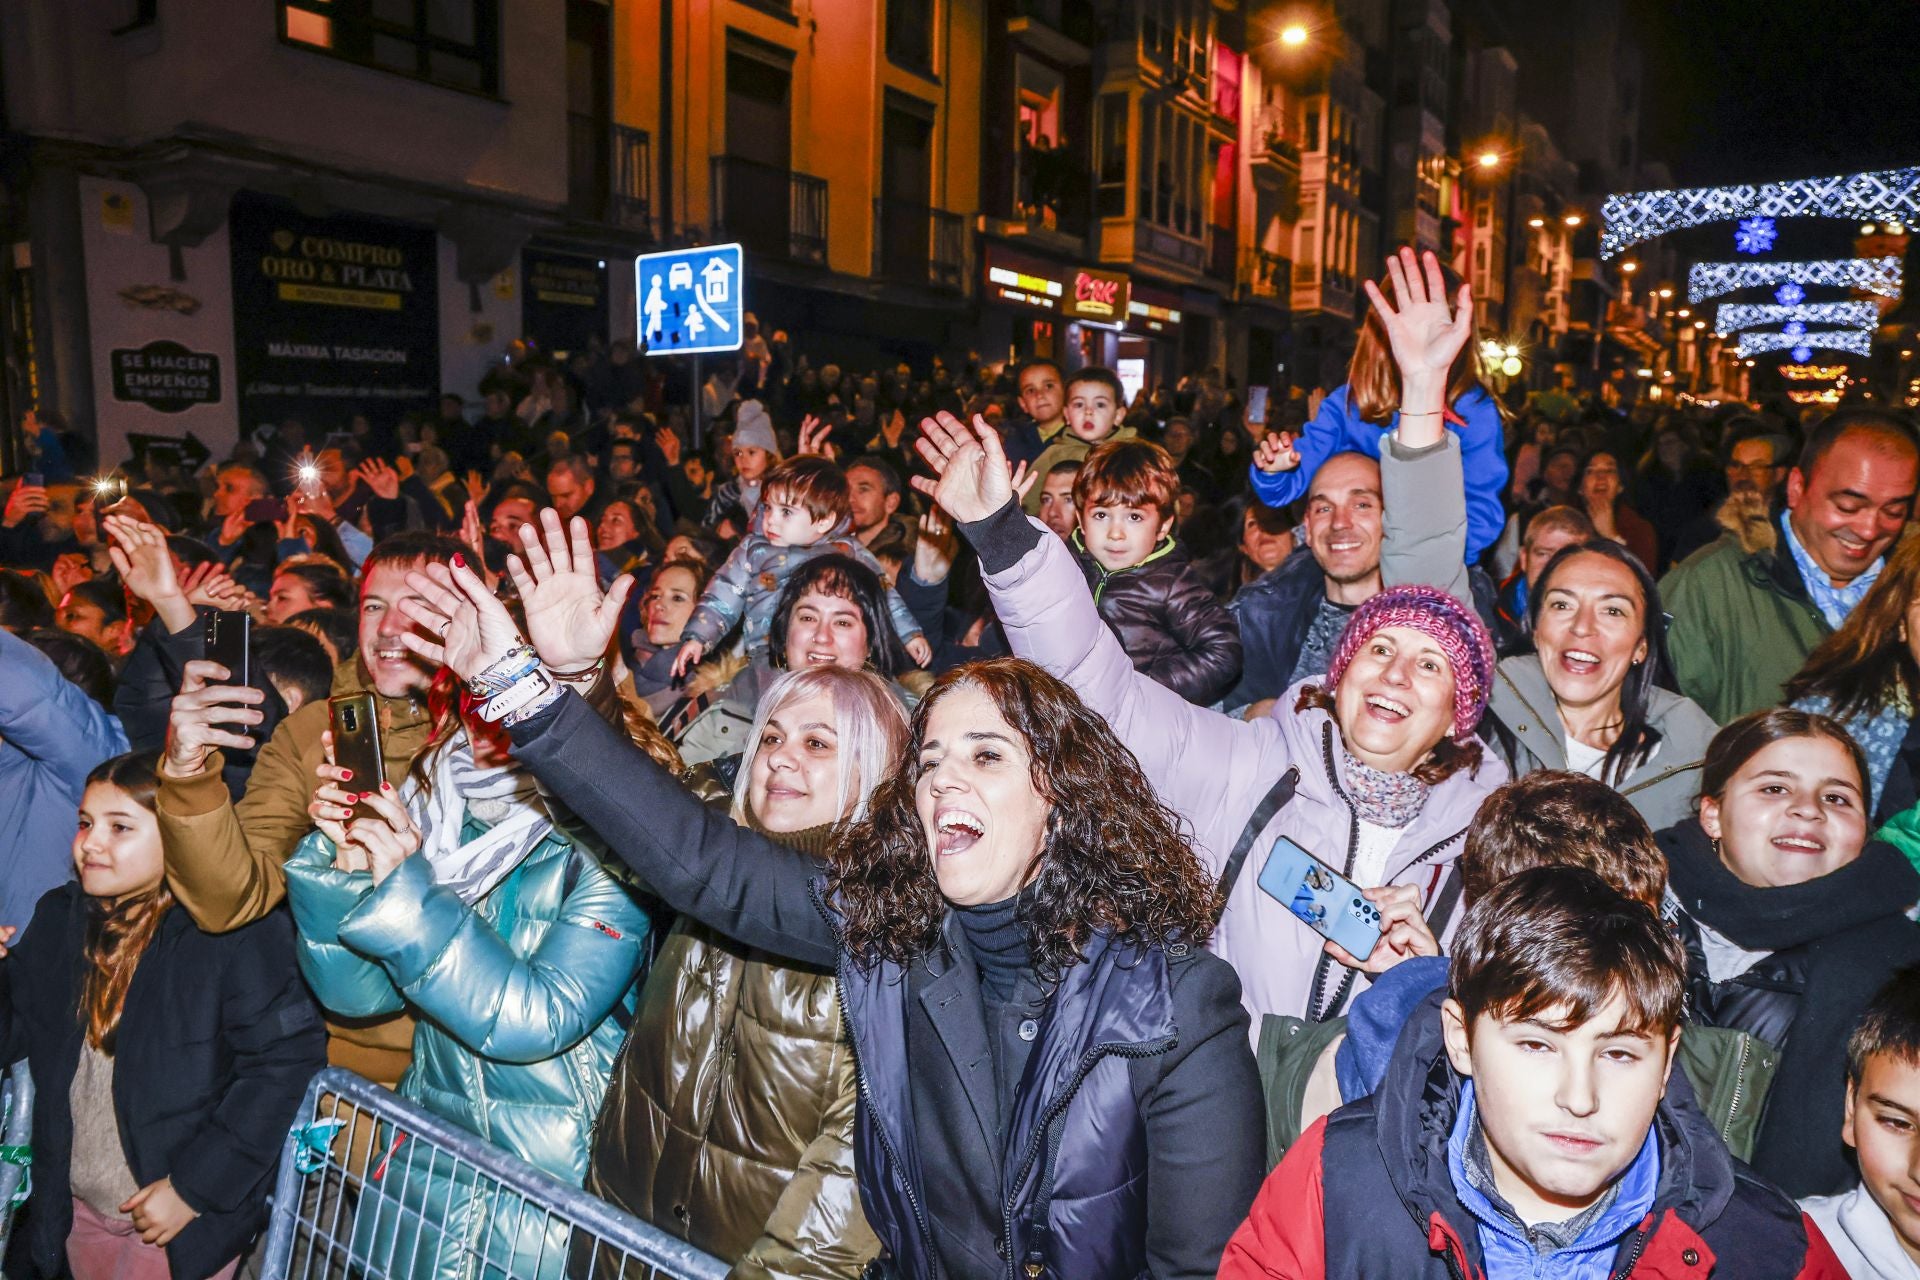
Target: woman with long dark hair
(168,1061)
(1589,697)
(1867,676)
(1603,497)
(1054,1074)
(1792,919)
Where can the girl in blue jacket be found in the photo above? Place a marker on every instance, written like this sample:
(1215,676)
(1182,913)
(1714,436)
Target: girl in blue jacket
(1356,416)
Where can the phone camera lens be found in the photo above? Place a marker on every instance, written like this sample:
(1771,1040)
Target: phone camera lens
(348,719)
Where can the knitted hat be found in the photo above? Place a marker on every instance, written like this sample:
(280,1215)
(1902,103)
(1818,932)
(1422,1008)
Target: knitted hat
(1458,631)
(752,428)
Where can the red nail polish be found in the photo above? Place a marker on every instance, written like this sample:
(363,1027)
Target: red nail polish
(459,561)
(386,786)
(346,775)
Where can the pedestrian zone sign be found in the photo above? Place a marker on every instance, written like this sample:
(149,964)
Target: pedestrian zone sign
(690,299)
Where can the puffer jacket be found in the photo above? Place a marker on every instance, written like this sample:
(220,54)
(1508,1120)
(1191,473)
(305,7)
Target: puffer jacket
(1523,725)
(729,1121)
(1214,770)
(1167,620)
(522,998)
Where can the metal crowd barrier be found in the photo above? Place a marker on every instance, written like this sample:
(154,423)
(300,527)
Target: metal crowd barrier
(16,1151)
(372,1187)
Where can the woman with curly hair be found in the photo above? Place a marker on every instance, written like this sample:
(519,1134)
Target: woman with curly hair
(1054,1074)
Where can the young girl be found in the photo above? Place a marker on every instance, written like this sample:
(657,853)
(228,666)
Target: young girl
(167,1062)
(1355,417)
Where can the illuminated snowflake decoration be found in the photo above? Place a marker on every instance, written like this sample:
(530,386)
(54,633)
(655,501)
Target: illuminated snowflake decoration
(1869,275)
(1755,235)
(1794,328)
(1789,295)
(1857,342)
(1886,195)
(1731,317)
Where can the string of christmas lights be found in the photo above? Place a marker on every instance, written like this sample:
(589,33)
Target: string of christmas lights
(1858,342)
(1812,372)
(1881,195)
(1731,317)
(1871,275)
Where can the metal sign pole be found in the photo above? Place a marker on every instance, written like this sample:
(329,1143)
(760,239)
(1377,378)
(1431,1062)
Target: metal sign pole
(699,390)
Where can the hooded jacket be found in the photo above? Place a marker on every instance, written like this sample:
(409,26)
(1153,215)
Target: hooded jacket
(1367,1195)
(1167,620)
(524,996)
(1524,726)
(1862,1237)
(1831,943)
(217,1041)
(1743,625)
(1214,770)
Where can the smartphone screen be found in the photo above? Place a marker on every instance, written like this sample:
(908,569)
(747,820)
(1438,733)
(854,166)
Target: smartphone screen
(227,634)
(1257,406)
(356,742)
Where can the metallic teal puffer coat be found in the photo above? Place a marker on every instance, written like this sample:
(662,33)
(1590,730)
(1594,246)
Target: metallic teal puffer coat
(522,1001)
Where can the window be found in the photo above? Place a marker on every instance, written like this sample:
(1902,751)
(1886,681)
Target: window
(1112,160)
(1173,170)
(449,42)
(910,34)
(1178,35)
(1310,132)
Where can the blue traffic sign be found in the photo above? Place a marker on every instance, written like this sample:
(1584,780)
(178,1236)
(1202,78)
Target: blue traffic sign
(691,300)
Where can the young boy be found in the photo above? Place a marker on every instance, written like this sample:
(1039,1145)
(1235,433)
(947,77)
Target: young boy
(755,450)
(1875,1228)
(1095,404)
(1525,1128)
(1143,584)
(806,511)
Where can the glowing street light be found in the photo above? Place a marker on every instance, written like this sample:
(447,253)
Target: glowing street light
(1293,35)
(1536,223)
(1572,219)
(1629,266)
(1488,160)
(1666,293)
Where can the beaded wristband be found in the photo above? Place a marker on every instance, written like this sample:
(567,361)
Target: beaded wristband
(580,674)
(512,665)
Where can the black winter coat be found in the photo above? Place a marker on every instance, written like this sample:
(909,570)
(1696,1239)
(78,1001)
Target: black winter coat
(1831,944)
(1156,1118)
(1168,621)
(217,1041)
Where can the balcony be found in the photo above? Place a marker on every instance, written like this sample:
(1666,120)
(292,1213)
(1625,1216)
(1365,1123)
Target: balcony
(1223,252)
(780,213)
(919,245)
(1266,275)
(1322,290)
(1060,31)
(609,173)
(1151,238)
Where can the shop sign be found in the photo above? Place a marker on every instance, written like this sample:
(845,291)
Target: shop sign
(1154,319)
(166,377)
(1101,296)
(564,303)
(1024,289)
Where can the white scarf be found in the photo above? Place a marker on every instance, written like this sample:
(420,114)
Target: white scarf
(506,797)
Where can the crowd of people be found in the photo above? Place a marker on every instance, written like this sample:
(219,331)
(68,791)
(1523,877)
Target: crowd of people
(972,821)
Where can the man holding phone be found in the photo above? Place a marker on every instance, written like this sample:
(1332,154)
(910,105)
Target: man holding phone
(224,858)
(245,542)
(36,525)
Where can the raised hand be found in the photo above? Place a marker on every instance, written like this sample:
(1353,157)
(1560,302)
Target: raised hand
(381,478)
(569,619)
(691,652)
(667,441)
(1424,334)
(476,485)
(973,478)
(919,650)
(332,807)
(813,438)
(1403,931)
(200,709)
(385,830)
(26,500)
(474,628)
(1276,453)
(1023,479)
(934,550)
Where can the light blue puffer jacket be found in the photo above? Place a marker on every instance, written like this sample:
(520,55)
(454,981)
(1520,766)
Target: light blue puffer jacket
(522,999)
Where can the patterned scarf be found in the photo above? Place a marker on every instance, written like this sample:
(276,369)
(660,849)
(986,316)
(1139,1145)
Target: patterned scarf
(1385,799)
(505,798)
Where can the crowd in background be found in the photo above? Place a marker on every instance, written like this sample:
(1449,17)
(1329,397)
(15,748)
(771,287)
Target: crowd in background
(832,814)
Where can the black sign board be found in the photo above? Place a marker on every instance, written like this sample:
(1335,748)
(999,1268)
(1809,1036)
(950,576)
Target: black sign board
(332,316)
(166,377)
(563,299)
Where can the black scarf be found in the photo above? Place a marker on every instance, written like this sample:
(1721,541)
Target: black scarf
(1879,884)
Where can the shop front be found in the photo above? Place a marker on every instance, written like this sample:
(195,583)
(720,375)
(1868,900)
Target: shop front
(1032,306)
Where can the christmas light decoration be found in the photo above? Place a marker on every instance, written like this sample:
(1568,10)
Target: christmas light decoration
(1870,275)
(1731,317)
(1794,328)
(1755,235)
(1830,395)
(1812,372)
(1884,195)
(1789,295)
(1855,341)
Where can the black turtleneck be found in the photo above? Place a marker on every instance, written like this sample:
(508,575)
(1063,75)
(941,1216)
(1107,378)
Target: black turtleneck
(998,938)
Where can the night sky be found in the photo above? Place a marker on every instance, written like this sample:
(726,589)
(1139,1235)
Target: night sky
(1766,90)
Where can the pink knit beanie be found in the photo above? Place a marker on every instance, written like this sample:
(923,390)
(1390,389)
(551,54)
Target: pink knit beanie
(1453,626)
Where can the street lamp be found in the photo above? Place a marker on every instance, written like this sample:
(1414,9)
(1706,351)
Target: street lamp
(1488,160)
(1629,266)
(1666,293)
(1293,35)
(1572,219)
(1536,223)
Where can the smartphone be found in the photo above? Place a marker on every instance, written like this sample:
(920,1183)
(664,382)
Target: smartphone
(266,511)
(34,478)
(108,490)
(1321,898)
(1257,406)
(228,634)
(356,742)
